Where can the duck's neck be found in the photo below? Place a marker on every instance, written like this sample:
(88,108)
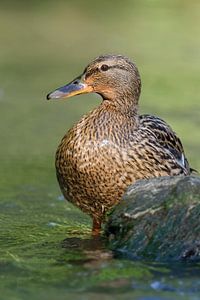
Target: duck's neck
(126,105)
(123,101)
(116,113)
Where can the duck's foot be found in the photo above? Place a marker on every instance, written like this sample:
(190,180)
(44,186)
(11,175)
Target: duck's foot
(96,227)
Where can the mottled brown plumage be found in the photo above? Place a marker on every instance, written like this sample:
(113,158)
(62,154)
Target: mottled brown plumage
(112,146)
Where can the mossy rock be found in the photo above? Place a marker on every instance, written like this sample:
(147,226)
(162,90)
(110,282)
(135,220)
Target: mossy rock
(158,219)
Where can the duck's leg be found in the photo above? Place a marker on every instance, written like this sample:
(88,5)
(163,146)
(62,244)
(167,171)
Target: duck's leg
(96,227)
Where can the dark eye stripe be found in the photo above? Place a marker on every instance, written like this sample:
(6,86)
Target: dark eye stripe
(118,67)
(96,70)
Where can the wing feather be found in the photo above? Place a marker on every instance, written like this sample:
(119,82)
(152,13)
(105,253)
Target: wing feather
(167,139)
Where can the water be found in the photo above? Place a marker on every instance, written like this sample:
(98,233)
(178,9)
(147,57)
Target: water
(46,251)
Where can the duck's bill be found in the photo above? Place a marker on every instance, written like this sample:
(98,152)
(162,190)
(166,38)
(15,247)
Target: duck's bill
(76,87)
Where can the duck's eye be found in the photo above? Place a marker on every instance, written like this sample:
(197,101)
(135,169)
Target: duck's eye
(104,67)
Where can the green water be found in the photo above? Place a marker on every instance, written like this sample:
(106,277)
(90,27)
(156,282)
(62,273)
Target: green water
(46,251)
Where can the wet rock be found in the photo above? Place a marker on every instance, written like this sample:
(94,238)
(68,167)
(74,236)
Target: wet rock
(158,219)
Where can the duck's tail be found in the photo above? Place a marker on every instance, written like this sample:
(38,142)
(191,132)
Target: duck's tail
(193,171)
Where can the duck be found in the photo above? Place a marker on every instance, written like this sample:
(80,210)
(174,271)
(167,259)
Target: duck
(113,146)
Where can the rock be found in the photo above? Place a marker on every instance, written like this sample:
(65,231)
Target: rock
(158,219)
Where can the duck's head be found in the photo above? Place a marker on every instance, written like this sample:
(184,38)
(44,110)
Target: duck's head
(114,77)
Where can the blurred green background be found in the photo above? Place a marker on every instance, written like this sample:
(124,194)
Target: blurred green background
(45,44)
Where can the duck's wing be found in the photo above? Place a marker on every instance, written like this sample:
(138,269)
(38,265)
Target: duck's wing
(167,139)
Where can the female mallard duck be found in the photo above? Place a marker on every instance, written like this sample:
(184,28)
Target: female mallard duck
(112,146)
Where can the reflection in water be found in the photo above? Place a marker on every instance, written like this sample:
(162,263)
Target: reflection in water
(93,248)
(98,263)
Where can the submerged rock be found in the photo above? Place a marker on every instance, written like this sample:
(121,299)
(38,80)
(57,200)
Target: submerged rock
(158,219)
